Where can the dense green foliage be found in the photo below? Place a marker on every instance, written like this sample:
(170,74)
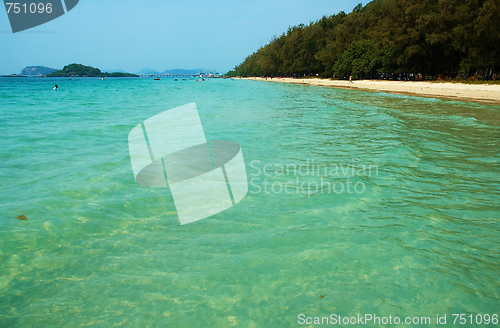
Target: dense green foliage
(409,37)
(231,74)
(78,70)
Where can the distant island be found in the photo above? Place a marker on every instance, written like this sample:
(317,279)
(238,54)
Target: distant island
(78,70)
(37,71)
(148,71)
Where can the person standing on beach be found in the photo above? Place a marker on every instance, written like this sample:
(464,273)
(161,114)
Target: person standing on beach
(350,78)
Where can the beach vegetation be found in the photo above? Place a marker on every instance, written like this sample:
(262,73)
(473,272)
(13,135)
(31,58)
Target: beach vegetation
(389,39)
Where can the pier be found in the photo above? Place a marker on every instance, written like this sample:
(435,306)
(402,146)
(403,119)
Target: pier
(169,75)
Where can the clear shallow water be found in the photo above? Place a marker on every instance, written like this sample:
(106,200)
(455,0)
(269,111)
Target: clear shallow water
(100,250)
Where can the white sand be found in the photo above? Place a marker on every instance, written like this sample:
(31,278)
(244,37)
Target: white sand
(458,91)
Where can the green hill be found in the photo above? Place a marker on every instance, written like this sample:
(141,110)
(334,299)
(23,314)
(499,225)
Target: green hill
(386,38)
(78,70)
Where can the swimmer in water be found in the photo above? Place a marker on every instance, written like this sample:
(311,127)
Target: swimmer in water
(56,87)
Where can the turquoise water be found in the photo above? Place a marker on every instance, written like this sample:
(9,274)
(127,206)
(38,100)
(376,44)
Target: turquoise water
(418,237)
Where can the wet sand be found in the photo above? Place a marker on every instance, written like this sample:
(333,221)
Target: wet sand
(446,90)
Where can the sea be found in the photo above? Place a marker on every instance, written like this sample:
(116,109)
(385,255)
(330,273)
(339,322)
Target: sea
(366,206)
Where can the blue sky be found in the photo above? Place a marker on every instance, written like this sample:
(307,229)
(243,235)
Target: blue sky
(157,34)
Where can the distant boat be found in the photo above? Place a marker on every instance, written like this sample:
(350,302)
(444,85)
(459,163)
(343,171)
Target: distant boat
(157,79)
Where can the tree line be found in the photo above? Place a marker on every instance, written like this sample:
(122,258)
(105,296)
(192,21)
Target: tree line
(388,38)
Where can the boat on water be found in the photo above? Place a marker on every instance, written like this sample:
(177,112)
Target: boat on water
(157,79)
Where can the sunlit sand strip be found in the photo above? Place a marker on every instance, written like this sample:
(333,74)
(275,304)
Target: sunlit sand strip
(457,91)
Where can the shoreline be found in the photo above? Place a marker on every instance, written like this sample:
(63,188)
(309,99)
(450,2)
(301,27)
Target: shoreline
(484,93)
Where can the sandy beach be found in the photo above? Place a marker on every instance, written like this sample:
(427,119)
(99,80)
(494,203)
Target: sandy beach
(447,90)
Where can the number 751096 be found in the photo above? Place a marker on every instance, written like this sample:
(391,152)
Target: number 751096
(32,8)
(479,319)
